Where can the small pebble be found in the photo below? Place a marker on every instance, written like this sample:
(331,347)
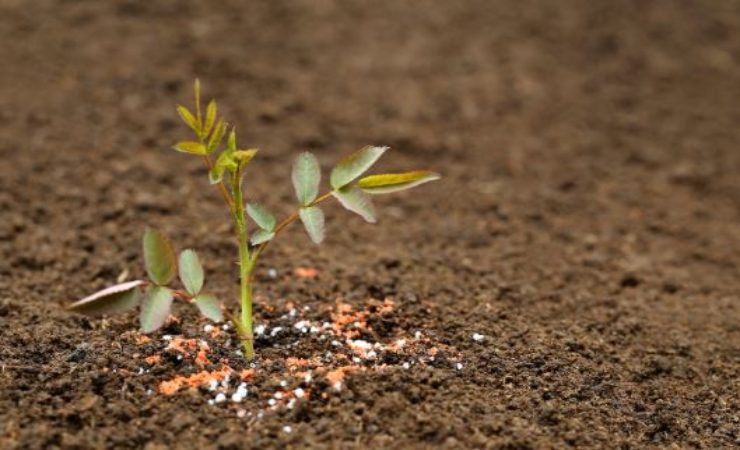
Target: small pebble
(221,397)
(478,337)
(225,326)
(278,395)
(458,366)
(406,365)
(283,383)
(259,329)
(287,429)
(208,328)
(272,402)
(299,393)
(167,337)
(359,343)
(275,331)
(272,273)
(241,413)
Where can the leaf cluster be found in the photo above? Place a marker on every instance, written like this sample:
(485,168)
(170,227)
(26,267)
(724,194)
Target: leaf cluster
(155,296)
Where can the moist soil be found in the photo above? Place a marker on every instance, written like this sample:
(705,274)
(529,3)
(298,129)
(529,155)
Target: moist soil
(572,281)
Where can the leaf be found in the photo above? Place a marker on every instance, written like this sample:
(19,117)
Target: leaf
(261,216)
(189,119)
(313,220)
(231,141)
(159,257)
(209,307)
(211,113)
(355,165)
(196,91)
(195,148)
(191,272)
(155,308)
(242,157)
(261,236)
(223,163)
(111,300)
(216,137)
(306,176)
(355,200)
(394,182)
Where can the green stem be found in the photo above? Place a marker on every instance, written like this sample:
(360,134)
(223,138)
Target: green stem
(245,270)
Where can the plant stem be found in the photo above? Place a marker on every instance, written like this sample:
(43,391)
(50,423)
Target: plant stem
(287,221)
(245,270)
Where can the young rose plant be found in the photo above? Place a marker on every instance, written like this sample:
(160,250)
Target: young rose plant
(156,295)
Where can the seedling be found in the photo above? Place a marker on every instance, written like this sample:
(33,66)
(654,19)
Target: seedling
(227,174)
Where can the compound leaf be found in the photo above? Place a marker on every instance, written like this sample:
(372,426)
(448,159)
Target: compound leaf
(313,220)
(155,308)
(394,182)
(261,216)
(111,300)
(192,147)
(306,176)
(261,236)
(189,119)
(357,201)
(159,257)
(209,307)
(354,165)
(191,272)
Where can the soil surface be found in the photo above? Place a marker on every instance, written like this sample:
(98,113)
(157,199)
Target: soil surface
(573,281)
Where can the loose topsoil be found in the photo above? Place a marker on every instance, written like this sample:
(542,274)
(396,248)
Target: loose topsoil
(573,281)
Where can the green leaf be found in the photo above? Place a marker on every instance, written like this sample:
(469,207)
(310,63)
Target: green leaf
(189,119)
(111,300)
(243,157)
(313,220)
(261,216)
(306,176)
(196,91)
(394,182)
(209,307)
(355,200)
(261,236)
(191,272)
(216,137)
(155,308)
(159,257)
(354,165)
(211,113)
(231,141)
(223,163)
(195,148)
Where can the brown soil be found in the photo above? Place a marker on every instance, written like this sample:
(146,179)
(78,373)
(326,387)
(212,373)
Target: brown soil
(587,226)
